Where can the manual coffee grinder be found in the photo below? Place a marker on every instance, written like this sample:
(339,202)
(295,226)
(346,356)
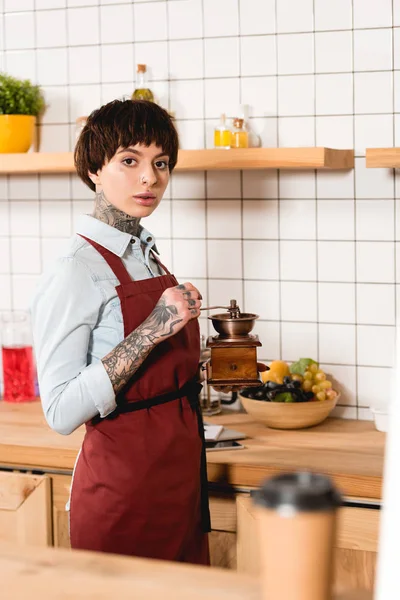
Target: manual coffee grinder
(233,360)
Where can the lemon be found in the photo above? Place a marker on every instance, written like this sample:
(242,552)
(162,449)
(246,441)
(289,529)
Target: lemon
(280,368)
(271,376)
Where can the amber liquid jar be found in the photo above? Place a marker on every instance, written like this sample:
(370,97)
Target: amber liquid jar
(239,136)
(222,135)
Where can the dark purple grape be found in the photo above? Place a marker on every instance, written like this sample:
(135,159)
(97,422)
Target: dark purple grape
(309,395)
(296,383)
(301,399)
(271,385)
(259,395)
(287,380)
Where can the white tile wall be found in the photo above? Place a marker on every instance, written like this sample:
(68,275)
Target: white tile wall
(265,21)
(299,339)
(185,19)
(50,29)
(294,16)
(333,51)
(315,254)
(368,13)
(295,54)
(333,15)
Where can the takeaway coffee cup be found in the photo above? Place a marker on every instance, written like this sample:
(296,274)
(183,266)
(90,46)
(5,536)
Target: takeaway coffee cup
(297,514)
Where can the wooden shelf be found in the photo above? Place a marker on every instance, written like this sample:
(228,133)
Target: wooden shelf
(198,160)
(388,158)
(266,158)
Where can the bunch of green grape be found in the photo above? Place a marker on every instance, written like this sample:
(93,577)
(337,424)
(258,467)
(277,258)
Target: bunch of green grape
(314,380)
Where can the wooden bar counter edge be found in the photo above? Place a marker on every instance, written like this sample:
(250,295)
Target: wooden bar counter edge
(57,574)
(351,452)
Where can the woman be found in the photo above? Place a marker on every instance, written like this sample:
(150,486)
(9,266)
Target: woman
(117,347)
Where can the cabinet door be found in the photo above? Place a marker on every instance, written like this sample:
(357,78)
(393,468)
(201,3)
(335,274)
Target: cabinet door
(223,535)
(355,547)
(25,509)
(60,493)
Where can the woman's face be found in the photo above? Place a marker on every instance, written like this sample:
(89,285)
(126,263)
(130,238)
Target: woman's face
(135,179)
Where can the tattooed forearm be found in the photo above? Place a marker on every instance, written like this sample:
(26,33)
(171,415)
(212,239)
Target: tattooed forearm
(126,358)
(106,212)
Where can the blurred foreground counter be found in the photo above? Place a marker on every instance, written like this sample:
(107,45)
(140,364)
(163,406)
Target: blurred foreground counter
(57,574)
(36,466)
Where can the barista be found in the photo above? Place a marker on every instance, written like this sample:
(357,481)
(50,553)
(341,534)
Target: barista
(117,346)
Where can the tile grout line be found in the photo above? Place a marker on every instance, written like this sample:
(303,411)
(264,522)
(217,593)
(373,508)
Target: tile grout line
(395,181)
(39,177)
(172,199)
(205,176)
(354,215)
(278,183)
(69,112)
(316,186)
(241,181)
(8,186)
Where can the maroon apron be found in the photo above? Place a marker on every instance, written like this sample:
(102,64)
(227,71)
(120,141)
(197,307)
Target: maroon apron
(140,483)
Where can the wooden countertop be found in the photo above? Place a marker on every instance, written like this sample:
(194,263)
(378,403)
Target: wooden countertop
(352,452)
(57,574)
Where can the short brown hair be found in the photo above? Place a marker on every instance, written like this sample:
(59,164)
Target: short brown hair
(119,124)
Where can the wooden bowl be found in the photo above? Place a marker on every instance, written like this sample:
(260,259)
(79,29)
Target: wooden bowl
(288,415)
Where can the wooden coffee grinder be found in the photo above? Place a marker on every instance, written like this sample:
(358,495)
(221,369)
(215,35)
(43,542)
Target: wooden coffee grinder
(233,360)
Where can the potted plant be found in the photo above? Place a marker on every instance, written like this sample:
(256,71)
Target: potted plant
(20,103)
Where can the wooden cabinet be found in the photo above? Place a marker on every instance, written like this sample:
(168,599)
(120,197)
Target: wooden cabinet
(25,509)
(32,512)
(60,486)
(355,548)
(223,522)
(223,531)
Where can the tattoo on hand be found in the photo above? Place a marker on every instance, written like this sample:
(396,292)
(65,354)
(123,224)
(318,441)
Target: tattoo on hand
(191,302)
(180,287)
(126,358)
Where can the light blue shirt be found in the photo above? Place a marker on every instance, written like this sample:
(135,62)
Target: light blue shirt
(77,319)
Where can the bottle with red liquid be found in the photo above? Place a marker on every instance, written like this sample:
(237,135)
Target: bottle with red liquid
(17,357)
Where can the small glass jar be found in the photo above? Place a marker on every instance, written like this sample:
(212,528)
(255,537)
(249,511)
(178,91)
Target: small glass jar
(17,357)
(239,137)
(222,135)
(142,90)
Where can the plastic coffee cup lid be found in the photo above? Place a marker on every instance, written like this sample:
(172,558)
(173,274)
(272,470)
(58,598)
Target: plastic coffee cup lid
(302,491)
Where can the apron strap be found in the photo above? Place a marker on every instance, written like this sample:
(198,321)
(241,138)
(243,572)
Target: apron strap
(191,390)
(114,262)
(158,261)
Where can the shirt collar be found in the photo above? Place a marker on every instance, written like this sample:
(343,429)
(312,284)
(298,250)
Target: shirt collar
(111,238)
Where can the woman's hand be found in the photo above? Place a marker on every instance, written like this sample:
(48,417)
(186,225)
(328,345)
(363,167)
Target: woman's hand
(177,306)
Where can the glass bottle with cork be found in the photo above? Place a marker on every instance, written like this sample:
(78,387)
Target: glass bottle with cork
(222,135)
(239,137)
(142,91)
